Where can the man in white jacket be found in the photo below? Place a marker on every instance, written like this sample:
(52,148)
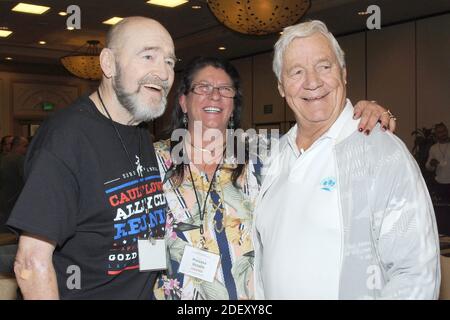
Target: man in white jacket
(340,215)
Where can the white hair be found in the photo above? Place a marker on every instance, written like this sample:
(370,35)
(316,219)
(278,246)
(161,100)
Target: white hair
(303,30)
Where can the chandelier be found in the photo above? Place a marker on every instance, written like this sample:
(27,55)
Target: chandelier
(258,17)
(85,63)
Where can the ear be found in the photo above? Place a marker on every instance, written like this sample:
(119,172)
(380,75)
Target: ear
(344,75)
(107,62)
(182,102)
(281,89)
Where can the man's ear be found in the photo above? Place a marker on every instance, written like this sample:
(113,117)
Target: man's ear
(182,102)
(344,75)
(107,62)
(281,89)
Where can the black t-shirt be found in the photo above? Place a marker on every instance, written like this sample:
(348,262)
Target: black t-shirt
(82,192)
(11,183)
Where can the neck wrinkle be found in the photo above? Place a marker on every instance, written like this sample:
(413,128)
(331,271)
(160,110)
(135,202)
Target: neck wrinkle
(118,112)
(305,138)
(199,157)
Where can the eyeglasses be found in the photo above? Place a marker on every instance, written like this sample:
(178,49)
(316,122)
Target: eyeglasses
(205,89)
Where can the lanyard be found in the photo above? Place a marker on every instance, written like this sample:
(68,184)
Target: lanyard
(202,211)
(120,136)
(140,173)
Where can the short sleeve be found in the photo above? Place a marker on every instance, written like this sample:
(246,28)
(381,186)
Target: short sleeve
(48,204)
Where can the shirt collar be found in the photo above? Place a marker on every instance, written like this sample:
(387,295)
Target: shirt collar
(341,128)
(291,136)
(342,123)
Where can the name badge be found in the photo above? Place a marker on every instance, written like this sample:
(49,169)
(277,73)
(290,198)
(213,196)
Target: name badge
(199,263)
(152,254)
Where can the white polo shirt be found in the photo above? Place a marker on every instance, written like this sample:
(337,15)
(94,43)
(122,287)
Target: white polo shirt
(299,221)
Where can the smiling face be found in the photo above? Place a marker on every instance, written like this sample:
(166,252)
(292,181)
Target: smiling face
(213,110)
(312,81)
(144,62)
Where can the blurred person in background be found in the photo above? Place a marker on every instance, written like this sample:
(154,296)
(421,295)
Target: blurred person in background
(11,178)
(439,162)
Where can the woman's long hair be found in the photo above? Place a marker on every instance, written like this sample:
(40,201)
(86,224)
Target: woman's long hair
(176,171)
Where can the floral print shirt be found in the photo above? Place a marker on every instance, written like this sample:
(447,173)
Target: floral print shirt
(227,230)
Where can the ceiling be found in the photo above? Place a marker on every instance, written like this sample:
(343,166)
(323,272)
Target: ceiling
(195,32)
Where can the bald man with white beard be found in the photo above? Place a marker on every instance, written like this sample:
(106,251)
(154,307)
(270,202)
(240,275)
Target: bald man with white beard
(74,242)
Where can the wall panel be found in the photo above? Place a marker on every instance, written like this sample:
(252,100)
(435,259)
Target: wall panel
(391,74)
(355,57)
(268,106)
(244,67)
(433,71)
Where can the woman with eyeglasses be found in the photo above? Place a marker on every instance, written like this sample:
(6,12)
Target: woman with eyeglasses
(210,190)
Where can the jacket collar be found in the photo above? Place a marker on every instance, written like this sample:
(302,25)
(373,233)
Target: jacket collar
(342,128)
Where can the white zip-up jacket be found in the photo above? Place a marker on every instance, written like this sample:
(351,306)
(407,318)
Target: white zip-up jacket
(383,193)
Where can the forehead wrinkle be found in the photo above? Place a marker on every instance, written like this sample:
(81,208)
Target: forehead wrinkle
(211,72)
(171,55)
(127,29)
(321,42)
(149,49)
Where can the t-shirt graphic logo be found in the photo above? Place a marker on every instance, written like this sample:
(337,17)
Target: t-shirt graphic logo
(328,184)
(139,167)
(139,206)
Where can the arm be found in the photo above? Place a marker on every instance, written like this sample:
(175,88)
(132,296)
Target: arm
(408,243)
(371,113)
(34,269)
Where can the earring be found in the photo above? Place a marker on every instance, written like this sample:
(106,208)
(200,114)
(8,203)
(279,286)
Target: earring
(231,122)
(185,120)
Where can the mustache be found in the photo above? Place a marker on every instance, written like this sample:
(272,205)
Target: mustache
(164,84)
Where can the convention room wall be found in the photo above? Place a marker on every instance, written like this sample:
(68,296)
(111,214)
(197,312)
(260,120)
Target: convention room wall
(405,67)
(354,47)
(391,74)
(268,106)
(21,96)
(244,67)
(433,71)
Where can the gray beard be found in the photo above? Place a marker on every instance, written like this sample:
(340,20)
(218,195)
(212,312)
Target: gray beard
(139,112)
